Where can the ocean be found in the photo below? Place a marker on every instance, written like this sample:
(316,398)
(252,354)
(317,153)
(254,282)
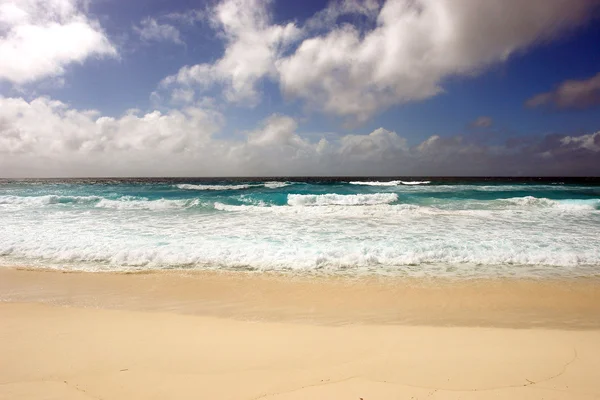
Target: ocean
(410,227)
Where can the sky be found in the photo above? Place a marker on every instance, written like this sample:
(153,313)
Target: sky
(282,88)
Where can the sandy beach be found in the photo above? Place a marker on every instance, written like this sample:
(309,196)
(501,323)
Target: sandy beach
(243,336)
(299,200)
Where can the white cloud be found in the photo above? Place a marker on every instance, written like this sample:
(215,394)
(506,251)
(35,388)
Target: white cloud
(48,134)
(189,17)
(45,137)
(182,96)
(375,146)
(151,30)
(403,54)
(588,142)
(40,38)
(276,130)
(253,44)
(414,47)
(328,17)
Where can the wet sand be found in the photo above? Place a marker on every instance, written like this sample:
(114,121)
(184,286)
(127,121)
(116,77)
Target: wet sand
(564,304)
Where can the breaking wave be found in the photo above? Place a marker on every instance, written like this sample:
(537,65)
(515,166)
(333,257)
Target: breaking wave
(187,186)
(276,185)
(415,182)
(375,183)
(388,183)
(341,199)
(268,185)
(541,202)
(145,204)
(463,230)
(47,200)
(453,257)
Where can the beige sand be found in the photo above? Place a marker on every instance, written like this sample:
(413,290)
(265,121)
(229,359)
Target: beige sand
(86,345)
(573,304)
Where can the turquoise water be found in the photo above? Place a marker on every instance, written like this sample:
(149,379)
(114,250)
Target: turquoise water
(409,227)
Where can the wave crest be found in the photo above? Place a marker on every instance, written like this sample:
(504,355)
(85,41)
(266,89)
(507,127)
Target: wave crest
(542,202)
(268,185)
(375,183)
(341,199)
(388,183)
(145,204)
(47,200)
(187,186)
(415,182)
(276,185)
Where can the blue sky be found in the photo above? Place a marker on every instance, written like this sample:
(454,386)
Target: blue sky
(279,87)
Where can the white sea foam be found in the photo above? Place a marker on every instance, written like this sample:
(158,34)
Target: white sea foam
(269,185)
(388,183)
(340,199)
(122,203)
(276,185)
(383,211)
(382,243)
(47,199)
(186,186)
(145,204)
(376,183)
(228,207)
(440,188)
(368,233)
(415,182)
(541,202)
(350,213)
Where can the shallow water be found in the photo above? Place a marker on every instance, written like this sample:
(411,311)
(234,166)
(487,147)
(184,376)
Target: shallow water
(463,228)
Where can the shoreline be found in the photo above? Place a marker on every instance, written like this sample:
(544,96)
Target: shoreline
(323,300)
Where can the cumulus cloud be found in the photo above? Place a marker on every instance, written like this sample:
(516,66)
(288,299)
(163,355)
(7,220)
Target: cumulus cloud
(151,30)
(588,142)
(40,38)
(378,145)
(49,134)
(414,47)
(571,94)
(188,17)
(276,130)
(481,122)
(253,44)
(45,137)
(182,96)
(328,17)
(403,54)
